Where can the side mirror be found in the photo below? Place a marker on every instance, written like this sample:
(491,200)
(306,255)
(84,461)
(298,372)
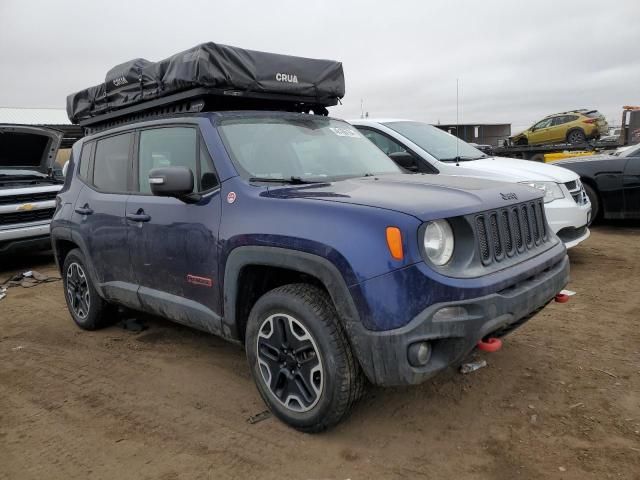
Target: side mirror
(405,160)
(171,182)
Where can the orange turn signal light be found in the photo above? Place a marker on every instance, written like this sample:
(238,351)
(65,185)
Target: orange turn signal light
(394,242)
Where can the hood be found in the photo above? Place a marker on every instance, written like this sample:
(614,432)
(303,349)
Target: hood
(514,170)
(28,148)
(424,196)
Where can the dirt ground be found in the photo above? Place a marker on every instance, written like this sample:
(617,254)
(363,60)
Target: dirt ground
(561,400)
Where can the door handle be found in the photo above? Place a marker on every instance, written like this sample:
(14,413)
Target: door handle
(139,216)
(86,210)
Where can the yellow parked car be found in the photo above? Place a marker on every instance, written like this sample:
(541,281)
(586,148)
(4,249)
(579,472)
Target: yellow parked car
(576,126)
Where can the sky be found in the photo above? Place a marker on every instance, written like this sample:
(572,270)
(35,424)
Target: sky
(515,61)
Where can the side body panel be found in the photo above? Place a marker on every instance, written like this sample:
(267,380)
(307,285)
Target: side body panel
(606,176)
(632,187)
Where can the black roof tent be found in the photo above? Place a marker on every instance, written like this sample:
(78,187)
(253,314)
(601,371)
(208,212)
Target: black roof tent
(209,77)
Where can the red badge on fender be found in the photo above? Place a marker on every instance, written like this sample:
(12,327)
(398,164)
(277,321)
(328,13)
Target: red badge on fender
(196,280)
(231,197)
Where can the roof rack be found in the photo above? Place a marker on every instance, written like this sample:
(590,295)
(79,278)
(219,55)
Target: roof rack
(201,100)
(208,77)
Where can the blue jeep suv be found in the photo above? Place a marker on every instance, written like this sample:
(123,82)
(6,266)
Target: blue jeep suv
(293,235)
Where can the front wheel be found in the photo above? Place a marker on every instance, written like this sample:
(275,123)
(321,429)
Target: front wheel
(595,202)
(300,358)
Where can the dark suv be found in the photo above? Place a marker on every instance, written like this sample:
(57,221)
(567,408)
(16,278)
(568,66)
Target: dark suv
(293,235)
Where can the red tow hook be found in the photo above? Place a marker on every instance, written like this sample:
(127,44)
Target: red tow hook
(562,298)
(490,344)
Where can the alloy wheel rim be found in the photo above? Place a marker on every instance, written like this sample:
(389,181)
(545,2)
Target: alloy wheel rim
(78,290)
(289,362)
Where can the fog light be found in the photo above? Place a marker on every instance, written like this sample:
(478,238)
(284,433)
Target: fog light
(450,314)
(419,353)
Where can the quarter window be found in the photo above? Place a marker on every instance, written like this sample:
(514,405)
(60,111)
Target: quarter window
(208,177)
(111,164)
(85,158)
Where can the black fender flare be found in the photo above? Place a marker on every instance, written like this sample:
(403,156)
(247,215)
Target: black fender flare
(303,262)
(70,235)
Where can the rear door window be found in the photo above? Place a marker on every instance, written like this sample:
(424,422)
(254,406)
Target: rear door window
(562,119)
(111,163)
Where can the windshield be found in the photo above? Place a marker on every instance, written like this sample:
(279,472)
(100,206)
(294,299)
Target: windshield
(301,147)
(438,143)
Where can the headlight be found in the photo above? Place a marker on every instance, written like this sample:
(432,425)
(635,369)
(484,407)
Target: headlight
(438,242)
(552,190)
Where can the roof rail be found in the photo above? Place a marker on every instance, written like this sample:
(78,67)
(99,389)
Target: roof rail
(200,100)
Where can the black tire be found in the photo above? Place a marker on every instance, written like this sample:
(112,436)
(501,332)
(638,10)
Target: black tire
(315,388)
(86,307)
(522,141)
(538,157)
(576,137)
(595,202)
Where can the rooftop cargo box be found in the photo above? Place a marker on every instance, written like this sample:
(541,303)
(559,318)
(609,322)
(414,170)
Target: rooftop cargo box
(227,77)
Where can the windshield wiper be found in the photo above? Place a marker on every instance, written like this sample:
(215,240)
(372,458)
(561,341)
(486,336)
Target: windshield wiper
(23,175)
(289,180)
(462,159)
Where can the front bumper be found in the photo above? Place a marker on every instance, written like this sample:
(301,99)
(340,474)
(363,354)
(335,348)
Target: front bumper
(571,236)
(566,215)
(383,355)
(26,237)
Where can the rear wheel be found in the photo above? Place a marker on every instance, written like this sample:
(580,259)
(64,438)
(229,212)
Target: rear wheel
(522,141)
(300,358)
(86,307)
(595,202)
(575,137)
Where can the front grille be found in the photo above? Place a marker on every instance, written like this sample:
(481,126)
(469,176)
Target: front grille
(26,217)
(577,192)
(495,235)
(508,234)
(485,253)
(27,198)
(510,231)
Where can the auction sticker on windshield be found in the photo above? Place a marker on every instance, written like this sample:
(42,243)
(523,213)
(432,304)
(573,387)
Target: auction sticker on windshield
(345,132)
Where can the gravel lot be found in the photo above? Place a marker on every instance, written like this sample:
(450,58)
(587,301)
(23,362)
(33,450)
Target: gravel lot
(561,400)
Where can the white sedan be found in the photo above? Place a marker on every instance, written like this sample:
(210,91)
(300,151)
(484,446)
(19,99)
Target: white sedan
(422,147)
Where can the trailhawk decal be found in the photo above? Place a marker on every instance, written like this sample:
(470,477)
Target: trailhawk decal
(201,281)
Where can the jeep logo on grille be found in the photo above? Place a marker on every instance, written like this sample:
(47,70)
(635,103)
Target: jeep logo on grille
(509,196)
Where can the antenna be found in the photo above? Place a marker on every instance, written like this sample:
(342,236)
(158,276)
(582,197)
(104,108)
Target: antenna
(457,122)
